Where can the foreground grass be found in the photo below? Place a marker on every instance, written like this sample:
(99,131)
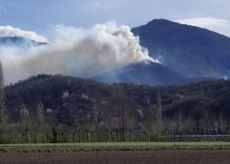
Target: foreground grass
(114,146)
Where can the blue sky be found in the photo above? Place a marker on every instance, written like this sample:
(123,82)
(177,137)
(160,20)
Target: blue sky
(60,22)
(41,16)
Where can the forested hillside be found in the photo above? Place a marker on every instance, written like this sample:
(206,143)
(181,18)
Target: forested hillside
(82,103)
(189,50)
(145,97)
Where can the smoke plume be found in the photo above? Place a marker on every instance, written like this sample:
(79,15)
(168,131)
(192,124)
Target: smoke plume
(76,52)
(6,31)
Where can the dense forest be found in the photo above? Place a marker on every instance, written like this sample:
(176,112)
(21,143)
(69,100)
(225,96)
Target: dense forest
(44,102)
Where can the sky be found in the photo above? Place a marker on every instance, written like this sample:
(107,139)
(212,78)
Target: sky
(36,19)
(87,38)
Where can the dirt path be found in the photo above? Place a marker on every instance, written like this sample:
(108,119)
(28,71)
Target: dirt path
(120,157)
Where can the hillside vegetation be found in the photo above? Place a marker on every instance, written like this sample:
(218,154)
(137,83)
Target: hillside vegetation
(86,105)
(57,108)
(191,51)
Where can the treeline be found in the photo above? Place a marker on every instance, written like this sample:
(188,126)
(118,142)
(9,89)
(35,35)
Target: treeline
(59,108)
(106,125)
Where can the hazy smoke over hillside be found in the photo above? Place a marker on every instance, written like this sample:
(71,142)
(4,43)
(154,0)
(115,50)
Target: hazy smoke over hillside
(77,52)
(6,31)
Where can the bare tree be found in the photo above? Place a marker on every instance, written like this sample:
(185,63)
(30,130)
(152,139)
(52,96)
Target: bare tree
(158,114)
(106,113)
(170,125)
(120,105)
(222,124)
(215,125)
(189,126)
(206,123)
(179,117)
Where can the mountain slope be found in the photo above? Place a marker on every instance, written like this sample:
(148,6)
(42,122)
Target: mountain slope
(72,100)
(18,42)
(189,50)
(151,73)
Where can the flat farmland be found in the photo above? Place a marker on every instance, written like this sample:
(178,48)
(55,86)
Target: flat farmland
(113,146)
(121,157)
(117,153)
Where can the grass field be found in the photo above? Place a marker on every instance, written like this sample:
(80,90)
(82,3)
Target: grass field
(114,146)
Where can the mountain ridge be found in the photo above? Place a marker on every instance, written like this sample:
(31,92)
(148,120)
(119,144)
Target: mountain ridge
(186,52)
(19,42)
(176,45)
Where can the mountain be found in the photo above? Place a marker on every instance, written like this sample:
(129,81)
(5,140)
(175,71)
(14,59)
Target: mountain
(186,53)
(154,74)
(189,50)
(18,41)
(150,73)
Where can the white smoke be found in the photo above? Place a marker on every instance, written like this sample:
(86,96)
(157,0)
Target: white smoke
(77,52)
(6,31)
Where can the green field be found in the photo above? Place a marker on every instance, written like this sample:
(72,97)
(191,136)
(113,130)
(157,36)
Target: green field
(114,146)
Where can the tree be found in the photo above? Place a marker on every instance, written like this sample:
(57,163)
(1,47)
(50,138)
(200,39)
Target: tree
(189,125)
(106,113)
(158,114)
(222,124)
(120,105)
(179,117)
(25,117)
(207,127)
(170,125)
(2,98)
(215,124)
(94,117)
(40,113)
(151,126)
